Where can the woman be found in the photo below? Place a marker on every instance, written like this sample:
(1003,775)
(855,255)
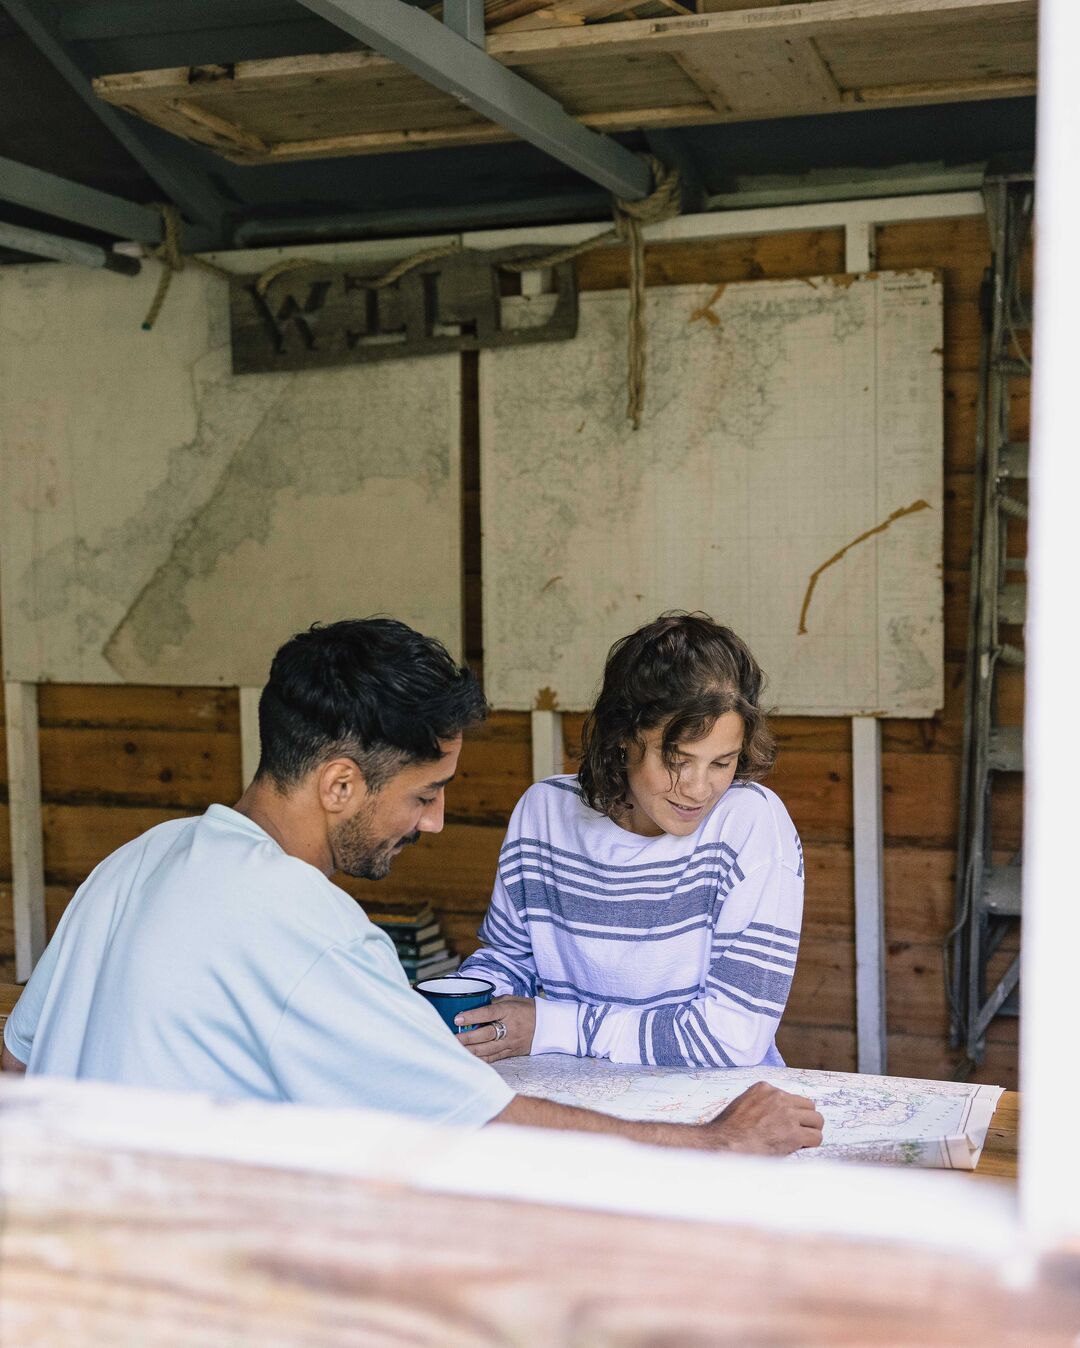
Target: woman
(656,899)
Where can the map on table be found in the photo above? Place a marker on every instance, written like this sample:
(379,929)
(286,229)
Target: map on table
(897,1120)
(165,521)
(786,478)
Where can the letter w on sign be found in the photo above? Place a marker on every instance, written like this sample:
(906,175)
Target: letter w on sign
(293,320)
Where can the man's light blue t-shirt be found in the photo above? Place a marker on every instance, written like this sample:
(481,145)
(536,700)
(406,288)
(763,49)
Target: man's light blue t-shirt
(203,957)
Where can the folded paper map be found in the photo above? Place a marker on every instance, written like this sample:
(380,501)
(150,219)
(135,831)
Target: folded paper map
(897,1120)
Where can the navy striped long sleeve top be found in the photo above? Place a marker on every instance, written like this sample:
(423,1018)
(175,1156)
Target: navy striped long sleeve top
(657,950)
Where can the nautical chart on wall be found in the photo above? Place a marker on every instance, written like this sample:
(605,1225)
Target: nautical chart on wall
(899,1120)
(163,521)
(787,479)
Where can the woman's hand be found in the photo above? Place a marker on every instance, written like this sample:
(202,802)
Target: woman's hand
(517,1014)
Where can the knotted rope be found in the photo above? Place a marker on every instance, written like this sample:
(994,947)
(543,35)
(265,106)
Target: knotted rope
(172,260)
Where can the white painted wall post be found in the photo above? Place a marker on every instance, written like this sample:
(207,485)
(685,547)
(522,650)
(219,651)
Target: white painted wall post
(870,1027)
(547,744)
(871,1031)
(859,246)
(1049,1161)
(24,813)
(249,734)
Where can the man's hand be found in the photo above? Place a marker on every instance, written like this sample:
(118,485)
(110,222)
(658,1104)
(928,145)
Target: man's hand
(766,1122)
(763,1121)
(518,1014)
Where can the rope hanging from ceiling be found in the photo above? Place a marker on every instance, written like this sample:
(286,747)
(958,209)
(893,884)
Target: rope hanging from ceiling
(172,260)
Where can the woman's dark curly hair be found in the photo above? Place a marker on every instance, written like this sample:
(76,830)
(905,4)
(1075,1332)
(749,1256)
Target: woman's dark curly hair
(682,672)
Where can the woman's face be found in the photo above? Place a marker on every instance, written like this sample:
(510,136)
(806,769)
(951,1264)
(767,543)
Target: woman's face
(704,769)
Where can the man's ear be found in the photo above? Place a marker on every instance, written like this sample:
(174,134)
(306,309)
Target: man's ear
(340,785)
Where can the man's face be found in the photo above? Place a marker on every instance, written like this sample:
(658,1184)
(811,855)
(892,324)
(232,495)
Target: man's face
(365,843)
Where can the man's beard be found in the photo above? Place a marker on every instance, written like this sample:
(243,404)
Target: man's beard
(360,852)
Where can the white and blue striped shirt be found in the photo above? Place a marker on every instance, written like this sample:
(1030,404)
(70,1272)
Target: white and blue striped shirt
(668,951)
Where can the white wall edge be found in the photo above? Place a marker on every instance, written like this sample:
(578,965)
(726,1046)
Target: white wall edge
(1049,1162)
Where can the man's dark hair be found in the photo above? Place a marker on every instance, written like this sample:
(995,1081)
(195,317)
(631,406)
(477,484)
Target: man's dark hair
(369,689)
(681,672)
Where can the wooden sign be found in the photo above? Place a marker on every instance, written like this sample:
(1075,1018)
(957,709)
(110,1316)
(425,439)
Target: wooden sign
(314,315)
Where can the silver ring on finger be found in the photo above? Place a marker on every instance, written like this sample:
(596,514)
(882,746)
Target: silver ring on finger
(500,1030)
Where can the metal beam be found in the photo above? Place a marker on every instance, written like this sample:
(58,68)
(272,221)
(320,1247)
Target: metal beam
(997,999)
(431,50)
(588,204)
(50,195)
(58,249)
(466,18)
(191,193)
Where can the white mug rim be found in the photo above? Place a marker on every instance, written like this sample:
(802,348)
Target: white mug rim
(479,985)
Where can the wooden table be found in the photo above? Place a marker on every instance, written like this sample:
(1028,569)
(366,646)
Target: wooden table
(999,1157)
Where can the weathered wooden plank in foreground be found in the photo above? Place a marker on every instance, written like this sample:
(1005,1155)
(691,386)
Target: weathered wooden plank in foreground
(106,1242)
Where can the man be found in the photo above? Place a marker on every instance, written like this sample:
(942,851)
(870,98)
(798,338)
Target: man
(215,954)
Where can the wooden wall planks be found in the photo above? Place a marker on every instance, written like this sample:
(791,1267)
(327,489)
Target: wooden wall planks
(115,760)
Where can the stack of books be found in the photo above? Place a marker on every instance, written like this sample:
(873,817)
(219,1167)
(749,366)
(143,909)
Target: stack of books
(418,939)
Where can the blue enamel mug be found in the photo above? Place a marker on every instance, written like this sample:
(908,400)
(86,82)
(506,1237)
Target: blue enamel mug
(453,994)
